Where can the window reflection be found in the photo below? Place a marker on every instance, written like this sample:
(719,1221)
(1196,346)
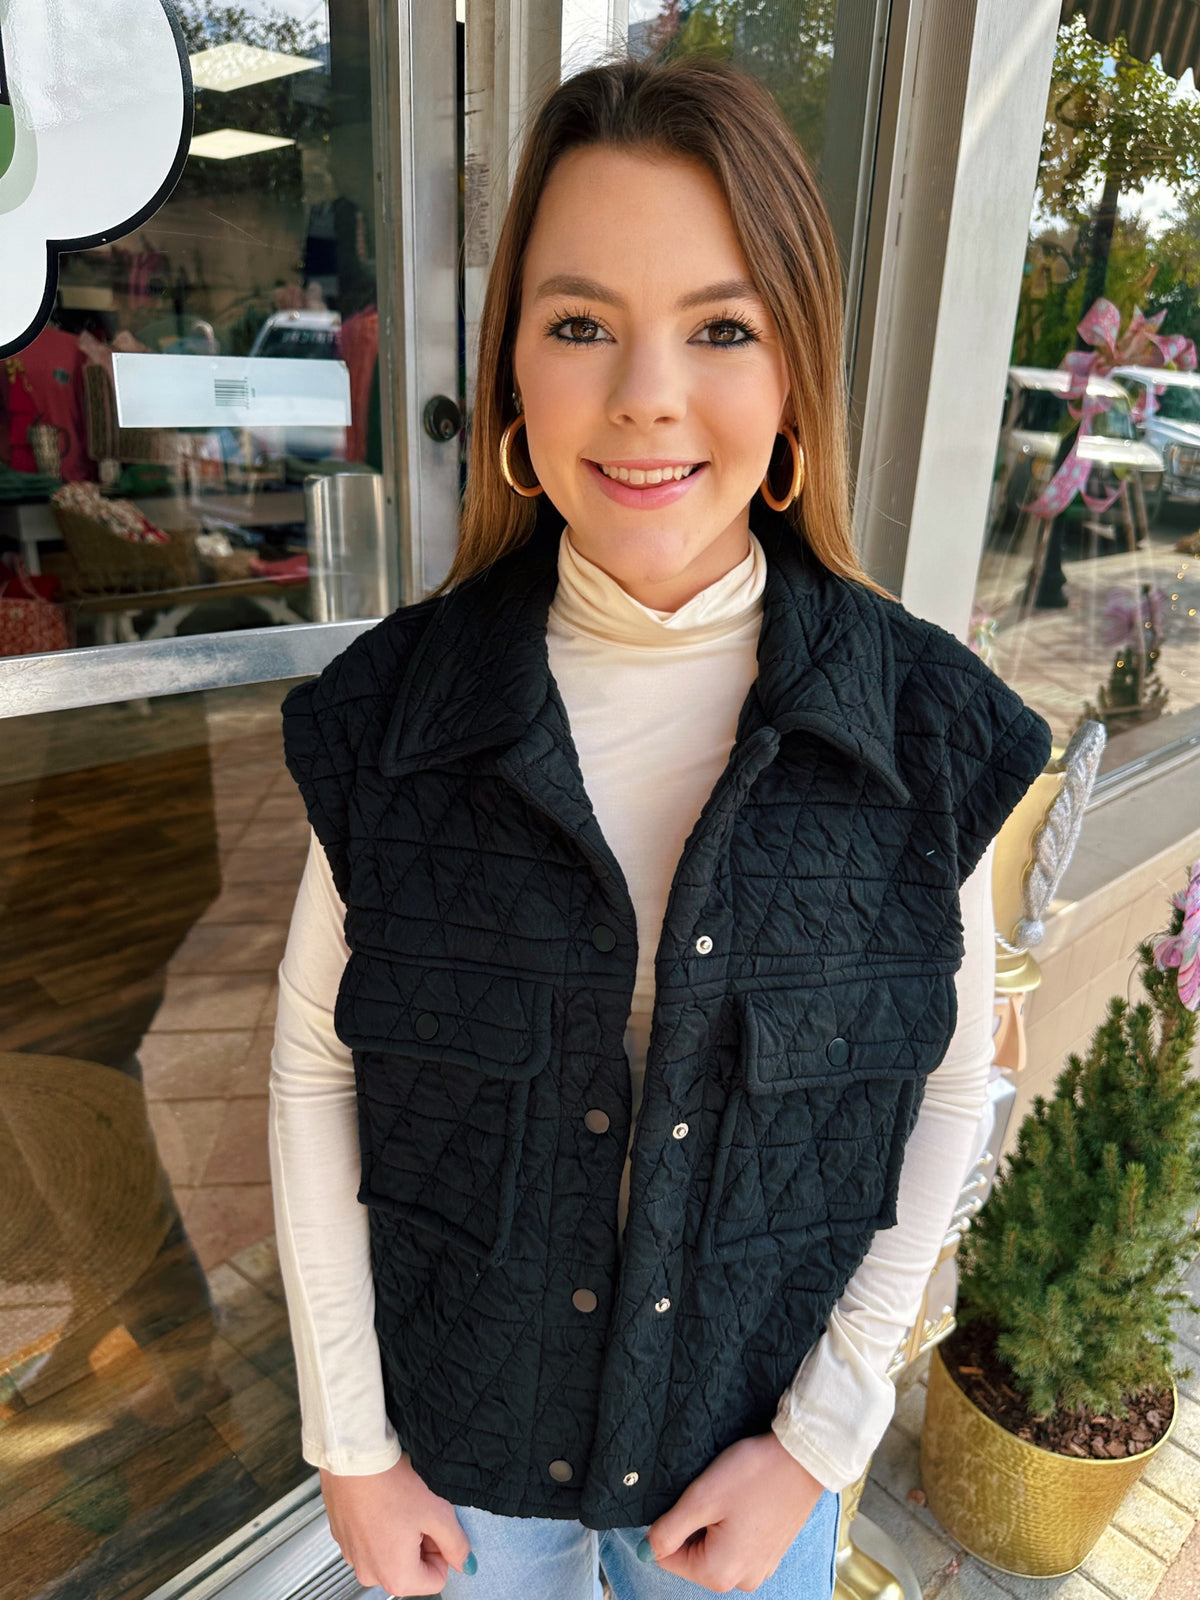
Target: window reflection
(1089,603)
(147,1393)
(266,251)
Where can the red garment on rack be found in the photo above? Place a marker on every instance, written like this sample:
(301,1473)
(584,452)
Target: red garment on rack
(358,346)
(47,386)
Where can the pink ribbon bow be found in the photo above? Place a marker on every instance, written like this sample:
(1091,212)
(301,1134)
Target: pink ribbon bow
(1182,950)
(1142,346)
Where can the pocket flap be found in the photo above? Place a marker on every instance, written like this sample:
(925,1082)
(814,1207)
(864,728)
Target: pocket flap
(883,1026)
(496,1024)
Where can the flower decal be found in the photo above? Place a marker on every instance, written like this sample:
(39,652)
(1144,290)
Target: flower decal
(1182,950)
(95,117)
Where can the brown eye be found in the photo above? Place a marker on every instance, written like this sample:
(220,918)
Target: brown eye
(576,330)
(728,332)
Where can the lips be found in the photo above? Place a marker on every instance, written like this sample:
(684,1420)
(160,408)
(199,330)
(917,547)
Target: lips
(646,496)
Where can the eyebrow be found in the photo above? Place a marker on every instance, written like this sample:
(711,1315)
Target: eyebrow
(567,283)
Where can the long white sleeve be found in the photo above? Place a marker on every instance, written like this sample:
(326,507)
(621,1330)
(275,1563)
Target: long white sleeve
(838,1407)
(320,1227)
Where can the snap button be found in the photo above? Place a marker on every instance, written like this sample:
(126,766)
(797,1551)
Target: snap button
(838,1052)
(629,1479)
(603,938)
(679,1131)
(561,1471)
(426,1025)
(703,945)
(596,1121)
(584,1300)
(662,1305)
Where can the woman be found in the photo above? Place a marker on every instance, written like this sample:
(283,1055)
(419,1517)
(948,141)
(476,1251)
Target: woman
(648,835)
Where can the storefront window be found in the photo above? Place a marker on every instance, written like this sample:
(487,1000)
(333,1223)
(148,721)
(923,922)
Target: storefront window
(193,444)
(147,1390)
(1088,595)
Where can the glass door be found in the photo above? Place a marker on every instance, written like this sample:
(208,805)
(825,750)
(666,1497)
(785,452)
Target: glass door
(238,441)
(226,452)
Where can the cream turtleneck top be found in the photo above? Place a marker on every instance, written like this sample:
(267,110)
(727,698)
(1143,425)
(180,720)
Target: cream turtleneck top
(653,700)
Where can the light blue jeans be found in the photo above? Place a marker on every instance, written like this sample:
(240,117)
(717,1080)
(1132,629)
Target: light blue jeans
(542,1558)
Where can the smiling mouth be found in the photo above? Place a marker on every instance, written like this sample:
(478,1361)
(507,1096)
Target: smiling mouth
(639,477)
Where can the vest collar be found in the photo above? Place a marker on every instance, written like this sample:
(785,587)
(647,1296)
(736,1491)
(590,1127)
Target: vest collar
(480,675)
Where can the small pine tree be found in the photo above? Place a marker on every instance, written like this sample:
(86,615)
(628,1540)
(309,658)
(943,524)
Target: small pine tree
(1077,1256)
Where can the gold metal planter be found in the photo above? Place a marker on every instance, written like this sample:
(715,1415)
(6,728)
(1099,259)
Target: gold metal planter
(1015,1506)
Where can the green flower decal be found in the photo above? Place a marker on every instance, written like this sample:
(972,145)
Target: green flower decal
(8,136)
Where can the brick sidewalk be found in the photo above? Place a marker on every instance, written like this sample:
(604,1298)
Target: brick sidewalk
(1150,1548)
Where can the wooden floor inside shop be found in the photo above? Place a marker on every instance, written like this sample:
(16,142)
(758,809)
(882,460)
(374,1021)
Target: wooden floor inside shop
(148,863)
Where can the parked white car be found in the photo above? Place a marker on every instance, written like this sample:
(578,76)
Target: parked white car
(300,336)
(1035,419)
(1173,430)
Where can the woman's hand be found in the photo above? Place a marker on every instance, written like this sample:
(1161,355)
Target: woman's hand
(733,1525)
(394,1531)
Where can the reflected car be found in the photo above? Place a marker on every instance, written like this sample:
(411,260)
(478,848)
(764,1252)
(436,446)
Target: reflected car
(299,336)
(1035,419)
(1173,430)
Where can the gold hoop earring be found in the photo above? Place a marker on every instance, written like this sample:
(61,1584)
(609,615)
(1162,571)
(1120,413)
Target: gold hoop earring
(506,472)
(798,475)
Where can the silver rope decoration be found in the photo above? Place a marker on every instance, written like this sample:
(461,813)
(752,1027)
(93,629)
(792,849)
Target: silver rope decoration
(1054,843)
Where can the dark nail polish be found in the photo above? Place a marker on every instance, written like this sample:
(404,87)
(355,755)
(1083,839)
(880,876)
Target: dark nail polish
(644,1552)
(470,1566)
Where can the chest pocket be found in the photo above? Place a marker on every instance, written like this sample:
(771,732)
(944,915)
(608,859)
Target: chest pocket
(827,1089)
(444,1060)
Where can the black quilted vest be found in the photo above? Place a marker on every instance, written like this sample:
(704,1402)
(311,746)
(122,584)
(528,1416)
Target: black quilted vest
(804,990)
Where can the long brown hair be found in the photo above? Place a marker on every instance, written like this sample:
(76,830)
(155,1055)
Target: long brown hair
(698,108)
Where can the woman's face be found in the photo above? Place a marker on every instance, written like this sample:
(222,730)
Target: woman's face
(642,349)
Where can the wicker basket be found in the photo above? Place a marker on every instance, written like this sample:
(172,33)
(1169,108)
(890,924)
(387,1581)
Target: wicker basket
(104,563)
(230,568)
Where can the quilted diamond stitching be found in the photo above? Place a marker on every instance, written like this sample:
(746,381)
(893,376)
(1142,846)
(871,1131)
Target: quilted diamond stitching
(450,803)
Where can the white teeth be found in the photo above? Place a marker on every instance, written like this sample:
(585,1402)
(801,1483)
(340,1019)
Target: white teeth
(640,476)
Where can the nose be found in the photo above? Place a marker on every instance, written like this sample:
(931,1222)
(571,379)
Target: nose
(648,386)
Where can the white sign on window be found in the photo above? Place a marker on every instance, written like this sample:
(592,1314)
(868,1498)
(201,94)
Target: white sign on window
(230,392)
(95,116)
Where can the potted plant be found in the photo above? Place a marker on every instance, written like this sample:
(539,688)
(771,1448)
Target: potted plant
(1057,1384)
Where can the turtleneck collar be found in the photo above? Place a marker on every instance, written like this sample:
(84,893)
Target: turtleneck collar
(588,601)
